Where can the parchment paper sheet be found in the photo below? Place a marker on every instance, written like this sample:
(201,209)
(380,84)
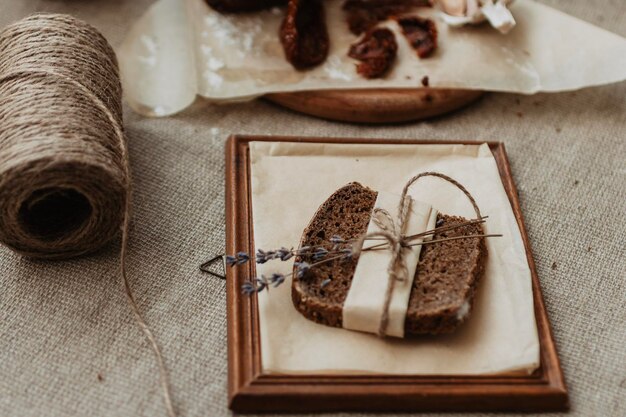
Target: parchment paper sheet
(182,48)
(291,180)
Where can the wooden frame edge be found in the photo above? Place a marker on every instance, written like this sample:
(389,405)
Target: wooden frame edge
(251,391)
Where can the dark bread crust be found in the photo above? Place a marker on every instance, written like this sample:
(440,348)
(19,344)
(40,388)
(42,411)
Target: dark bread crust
(445,282)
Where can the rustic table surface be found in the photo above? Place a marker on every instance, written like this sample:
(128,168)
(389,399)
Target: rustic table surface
(69,345)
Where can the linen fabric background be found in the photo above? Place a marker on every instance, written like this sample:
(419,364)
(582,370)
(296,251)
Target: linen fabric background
(70,347)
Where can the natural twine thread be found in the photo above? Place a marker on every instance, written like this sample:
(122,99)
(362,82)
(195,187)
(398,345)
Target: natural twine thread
(64,170)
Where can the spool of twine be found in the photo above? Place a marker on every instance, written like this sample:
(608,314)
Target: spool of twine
(64,176)
(64,171)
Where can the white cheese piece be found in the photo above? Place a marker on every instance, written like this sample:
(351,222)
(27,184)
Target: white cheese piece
(458,13)
(499,16)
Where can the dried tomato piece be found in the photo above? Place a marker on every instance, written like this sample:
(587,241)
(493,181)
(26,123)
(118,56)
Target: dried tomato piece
(363,15)
(303,33)
(376,51)
(234,6)
(421,34)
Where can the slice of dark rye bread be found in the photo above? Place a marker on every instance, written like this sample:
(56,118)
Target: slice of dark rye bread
(445,282)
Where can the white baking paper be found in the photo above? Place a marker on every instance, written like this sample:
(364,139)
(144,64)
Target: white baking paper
(182,48)
(365,302)
(291,180)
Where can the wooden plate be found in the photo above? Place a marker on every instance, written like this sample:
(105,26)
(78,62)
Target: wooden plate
(376,106)
(251,390)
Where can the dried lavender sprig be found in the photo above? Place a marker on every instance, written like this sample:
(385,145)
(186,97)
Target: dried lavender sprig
(283,254)
(303,267)
(260,284)
(320,255)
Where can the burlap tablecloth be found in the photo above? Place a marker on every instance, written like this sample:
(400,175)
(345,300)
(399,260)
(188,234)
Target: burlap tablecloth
(69,345)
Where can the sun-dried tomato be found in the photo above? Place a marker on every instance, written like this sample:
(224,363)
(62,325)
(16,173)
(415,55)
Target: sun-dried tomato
(303,33)
(363,15)
(376,51)
(421,34)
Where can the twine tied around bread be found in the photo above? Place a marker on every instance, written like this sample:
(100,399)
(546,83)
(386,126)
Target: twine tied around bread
(64,169)
(393,232)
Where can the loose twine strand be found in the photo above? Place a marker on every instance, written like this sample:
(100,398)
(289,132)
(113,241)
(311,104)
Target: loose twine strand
(63,149)
(393,232)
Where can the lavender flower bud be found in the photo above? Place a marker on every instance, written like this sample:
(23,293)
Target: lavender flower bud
(248,288)
(262,283)
(337,239)
(284,254)
(277,279)
(319,253)
(242,258)
(303,250)
(231,260)
(301,268)
(261,256)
